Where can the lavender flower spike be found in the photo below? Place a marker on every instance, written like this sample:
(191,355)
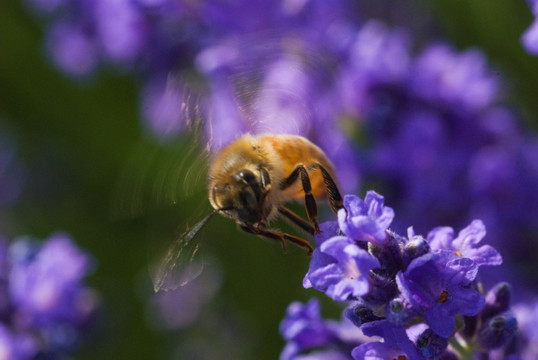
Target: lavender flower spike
(44,297)
(365,220)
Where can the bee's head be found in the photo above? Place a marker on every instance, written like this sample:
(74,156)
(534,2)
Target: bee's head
(240,196)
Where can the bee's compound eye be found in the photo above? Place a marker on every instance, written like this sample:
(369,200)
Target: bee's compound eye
(246,176)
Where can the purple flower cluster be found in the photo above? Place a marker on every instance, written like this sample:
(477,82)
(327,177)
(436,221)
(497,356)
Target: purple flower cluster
(307,332)
(44,303)
(436,139)
(530,37)
(413,296)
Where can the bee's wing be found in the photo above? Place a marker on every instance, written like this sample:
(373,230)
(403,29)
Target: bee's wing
(160,175)
(163,171)
(271,81)
(178,265)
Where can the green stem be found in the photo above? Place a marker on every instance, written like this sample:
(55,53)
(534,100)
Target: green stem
(465,352)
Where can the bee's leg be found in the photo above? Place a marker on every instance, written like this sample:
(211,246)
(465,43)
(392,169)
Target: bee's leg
(252,230)
(310,202)
(335,199)
(282,237)
(297,220)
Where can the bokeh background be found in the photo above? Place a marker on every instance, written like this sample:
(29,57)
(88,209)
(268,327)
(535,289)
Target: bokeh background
(74,137)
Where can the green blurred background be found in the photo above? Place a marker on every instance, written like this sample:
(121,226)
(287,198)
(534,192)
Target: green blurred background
(75,137)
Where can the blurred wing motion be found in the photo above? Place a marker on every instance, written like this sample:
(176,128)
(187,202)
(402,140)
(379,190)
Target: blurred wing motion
(160,175)
(177,266)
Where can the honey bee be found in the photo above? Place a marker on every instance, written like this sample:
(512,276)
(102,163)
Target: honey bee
(249,181)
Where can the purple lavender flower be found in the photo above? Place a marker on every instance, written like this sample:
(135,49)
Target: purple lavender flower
(305,330)
(497,331)
(433,283)
(396,342)
(378,55)
(365,220)
(530,37)
(45,301)
(527,317)
(461,81)
(437,285)
(339,267)
(47,284)
(436,140)
(16,346)
(466,243)
(72,49)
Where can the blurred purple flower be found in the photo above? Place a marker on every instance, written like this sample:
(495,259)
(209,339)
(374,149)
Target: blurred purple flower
(71,48)
(46,303)
(527,318)
(530,37)
(179,308)
(461,82)
(16,346)
(466,243)
(306,331)
(304,328)
(376,56)
(437,285)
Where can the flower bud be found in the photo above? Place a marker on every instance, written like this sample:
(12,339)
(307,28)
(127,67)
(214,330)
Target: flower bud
(497,331)
(360,313)
(431,345)
(382,289)
(398,311)
(389,254)
(498,299)
(415,247)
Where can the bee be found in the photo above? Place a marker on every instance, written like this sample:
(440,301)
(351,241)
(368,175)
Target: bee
(249,181)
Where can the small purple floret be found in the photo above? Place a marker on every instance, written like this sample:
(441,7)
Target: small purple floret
(365,220)
(466,243)
(340,269)
(437,285)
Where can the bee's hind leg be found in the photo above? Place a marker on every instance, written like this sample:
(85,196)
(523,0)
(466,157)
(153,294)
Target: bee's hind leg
(335,198)
(278,236)
(310,202)
(297,220)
